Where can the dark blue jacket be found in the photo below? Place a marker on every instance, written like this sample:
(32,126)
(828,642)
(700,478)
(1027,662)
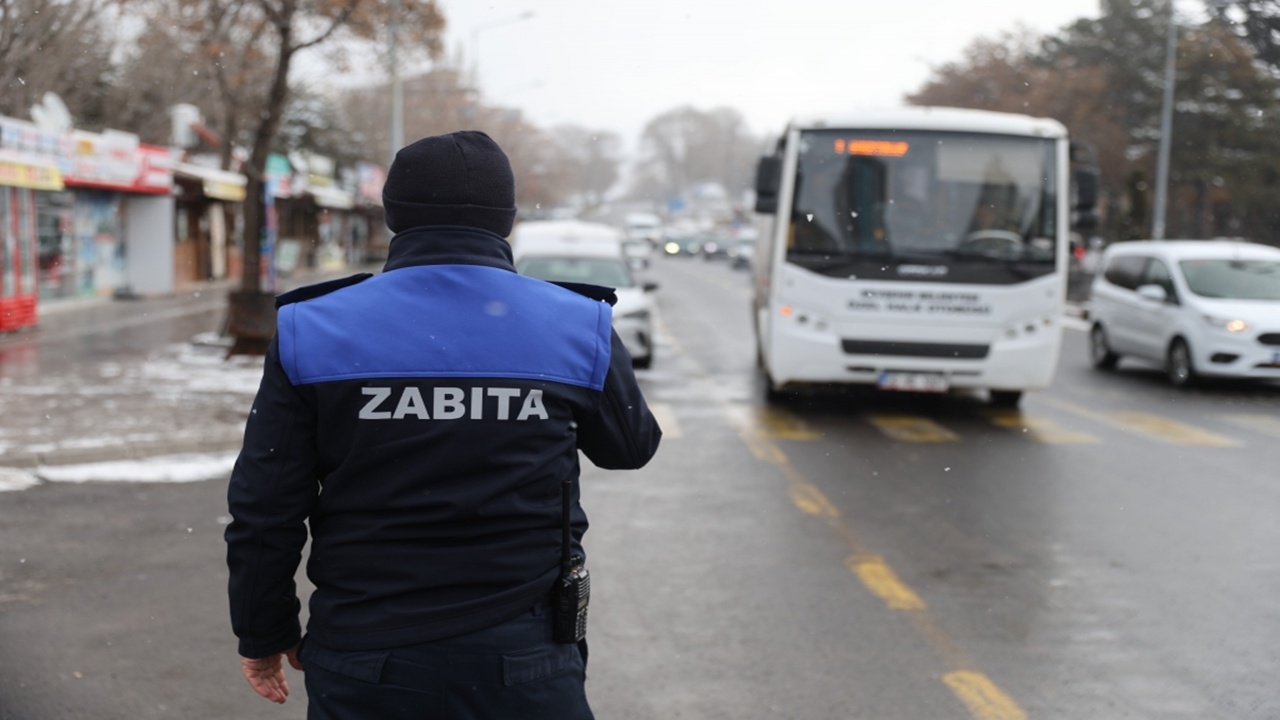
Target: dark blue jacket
(420,423)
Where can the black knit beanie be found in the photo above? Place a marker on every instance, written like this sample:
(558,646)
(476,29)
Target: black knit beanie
(462,178)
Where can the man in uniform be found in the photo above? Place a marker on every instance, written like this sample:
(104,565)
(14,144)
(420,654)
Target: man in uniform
(423,424)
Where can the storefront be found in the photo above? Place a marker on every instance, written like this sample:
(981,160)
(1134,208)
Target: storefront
(209,223)
(334,238)
(30,167)
(19,182)
(313,217)
(56,245)
(369,234)
(110,234)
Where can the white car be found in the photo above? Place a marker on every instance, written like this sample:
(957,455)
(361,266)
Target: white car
(633,313)
(1207,308)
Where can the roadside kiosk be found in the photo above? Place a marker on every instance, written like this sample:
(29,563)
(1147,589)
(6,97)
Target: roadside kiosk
(19,182)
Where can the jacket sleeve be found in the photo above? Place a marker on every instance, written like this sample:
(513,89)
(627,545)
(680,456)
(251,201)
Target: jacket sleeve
(622,434)
(273,488)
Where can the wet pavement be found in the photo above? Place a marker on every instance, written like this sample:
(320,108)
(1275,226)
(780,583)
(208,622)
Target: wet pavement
(105,379)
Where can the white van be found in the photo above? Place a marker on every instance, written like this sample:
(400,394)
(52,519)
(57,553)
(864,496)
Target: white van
(1207,308)
(565,237)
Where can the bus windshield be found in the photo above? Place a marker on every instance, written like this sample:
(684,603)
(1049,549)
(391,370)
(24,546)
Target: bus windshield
(965,207)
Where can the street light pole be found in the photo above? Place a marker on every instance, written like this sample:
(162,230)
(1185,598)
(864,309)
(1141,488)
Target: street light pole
(397,91)
(475,41)
(1166,130)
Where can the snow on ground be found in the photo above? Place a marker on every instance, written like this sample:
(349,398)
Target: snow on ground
(164,469)
(12,479)
(169,468)
(178,392)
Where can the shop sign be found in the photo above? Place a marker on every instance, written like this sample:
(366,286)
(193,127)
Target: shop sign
(25,142)
(223,190)
(214,183)
(25,175)
(116,160)
(279,175)
(108,159)
(155,171)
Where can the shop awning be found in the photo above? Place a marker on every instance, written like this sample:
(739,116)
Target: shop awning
(216,184)
(332,198)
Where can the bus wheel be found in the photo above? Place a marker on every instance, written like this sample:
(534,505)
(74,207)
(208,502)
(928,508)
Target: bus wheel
(1006,398)
(772,395)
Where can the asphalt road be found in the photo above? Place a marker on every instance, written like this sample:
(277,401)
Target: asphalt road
(1107,552)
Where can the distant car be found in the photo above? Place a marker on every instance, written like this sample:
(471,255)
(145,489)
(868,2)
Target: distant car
(643,226)
(742,253)
(632,315)
(682,245)
(637,253)
(1202,308)
(716,247)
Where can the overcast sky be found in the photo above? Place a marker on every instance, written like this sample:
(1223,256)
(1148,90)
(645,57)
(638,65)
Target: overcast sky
(615,65)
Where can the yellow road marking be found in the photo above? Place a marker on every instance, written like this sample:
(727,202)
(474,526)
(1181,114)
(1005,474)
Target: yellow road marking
(911,428)
(1151,426)
(981,696)
(758,430)
(1040,429)
(783,425)
(811,500)
(881,580)
(983,699)
(1171,431)
(1264,424)
(666,418)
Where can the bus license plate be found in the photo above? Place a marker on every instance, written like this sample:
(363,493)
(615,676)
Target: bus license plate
(914,382)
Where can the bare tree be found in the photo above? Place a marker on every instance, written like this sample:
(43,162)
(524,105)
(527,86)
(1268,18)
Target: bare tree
(1257,22)
(1101,78)
(686,146)
(541,179)
(435,102)
(591,159)
(227,31)
(59,46)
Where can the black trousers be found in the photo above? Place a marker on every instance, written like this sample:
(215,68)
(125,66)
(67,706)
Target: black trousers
(510,671)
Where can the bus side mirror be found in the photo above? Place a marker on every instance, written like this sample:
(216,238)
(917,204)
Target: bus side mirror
(768,182)
(1085,180)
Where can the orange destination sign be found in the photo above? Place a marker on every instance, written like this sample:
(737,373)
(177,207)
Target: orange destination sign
(881,148)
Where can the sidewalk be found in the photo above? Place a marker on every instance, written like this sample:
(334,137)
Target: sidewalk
(105,380)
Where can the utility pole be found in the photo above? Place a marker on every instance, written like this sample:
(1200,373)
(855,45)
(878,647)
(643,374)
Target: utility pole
(397,91)
(1166,130)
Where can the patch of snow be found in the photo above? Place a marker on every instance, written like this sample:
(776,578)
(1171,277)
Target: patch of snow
(170,468)
(14,479)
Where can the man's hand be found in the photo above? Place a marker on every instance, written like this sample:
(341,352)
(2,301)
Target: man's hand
(266,675)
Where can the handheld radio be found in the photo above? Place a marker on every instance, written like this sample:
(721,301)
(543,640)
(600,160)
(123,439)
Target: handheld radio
(572,591)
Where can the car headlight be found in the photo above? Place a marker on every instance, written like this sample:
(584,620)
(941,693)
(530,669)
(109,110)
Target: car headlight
(637,315)
(1231,325)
